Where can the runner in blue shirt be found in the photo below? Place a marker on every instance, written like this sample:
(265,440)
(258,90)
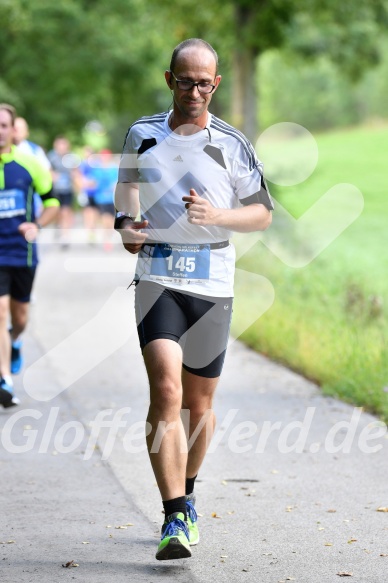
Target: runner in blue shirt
(106,178)
(20,176)
(87,186)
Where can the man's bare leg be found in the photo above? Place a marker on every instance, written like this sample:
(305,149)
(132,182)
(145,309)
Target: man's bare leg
(198,393)
(167,451)
(7,397)
(5,341)
(19,317)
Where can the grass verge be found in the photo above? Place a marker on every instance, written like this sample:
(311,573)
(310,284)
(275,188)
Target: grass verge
(328,319)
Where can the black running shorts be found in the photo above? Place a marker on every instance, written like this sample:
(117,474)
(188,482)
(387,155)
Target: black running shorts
(17,282)
(65,198)
(200,324)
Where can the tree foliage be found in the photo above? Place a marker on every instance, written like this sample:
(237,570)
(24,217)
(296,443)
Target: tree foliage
(66,62)
(346,32)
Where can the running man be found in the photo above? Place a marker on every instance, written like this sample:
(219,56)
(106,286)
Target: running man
(62,163)
(20,175)
(194,180)
(20,139)
(106,175)
(20,135)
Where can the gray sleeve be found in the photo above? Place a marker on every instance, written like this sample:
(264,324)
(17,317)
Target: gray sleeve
(261,196)
(128,171)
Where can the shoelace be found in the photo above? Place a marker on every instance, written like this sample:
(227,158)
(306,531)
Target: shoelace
(191,511)
(173,528)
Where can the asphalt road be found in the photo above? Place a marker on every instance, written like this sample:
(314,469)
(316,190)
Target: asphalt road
(289,491)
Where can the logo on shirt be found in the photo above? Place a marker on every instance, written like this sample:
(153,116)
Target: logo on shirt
(178,159)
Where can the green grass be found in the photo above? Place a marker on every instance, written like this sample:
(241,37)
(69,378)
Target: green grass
(329,318)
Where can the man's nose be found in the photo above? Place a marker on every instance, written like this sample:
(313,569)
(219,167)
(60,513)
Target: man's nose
(195,91)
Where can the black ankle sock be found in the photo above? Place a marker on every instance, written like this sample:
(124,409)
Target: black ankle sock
(190,485)
(175,505)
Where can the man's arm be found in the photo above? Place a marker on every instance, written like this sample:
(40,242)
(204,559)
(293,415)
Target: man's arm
(249,218)
(127,203)
(50,211)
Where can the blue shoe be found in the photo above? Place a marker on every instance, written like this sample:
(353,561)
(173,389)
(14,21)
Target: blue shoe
(7,398)
(16,357)
(192,520)
(175,539)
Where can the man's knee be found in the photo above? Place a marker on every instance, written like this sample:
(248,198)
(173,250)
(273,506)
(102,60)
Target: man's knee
(166,395)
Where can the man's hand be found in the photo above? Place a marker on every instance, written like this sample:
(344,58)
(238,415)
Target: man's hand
(131,234)
(29,231)
(245,219)
(199,210)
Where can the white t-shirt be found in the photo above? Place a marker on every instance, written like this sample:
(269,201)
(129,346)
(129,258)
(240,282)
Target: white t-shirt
(31,148)
(221,165)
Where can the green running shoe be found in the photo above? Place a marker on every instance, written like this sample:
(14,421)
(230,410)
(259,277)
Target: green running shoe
(175,539)
(192,520)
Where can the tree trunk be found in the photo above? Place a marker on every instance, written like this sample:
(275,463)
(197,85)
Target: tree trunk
(244,94)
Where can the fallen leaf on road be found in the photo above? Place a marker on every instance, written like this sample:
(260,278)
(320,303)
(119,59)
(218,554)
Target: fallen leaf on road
(7,542)
(224,482)
(328,544)
(383,555)
(215,515)
(245,570)
(352,540)
(382,509)
(331,510)
(70,564)
(129,524)
(121,527)
(85,542)
(345,574)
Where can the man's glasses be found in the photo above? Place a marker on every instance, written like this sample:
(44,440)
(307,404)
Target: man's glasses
(188,85)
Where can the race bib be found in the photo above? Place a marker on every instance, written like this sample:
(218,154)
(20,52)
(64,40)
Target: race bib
(180,262)
(12,203)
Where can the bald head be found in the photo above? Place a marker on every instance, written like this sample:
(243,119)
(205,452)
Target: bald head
(186,47)
(20,130)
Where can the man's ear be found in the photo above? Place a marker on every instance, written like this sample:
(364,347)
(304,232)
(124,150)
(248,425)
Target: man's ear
(168,77)
(217,81)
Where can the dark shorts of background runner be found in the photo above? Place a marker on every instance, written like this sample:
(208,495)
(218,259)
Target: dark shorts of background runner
(106,209)
(65,198)
(91,202)
(17,282)
(199,324)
